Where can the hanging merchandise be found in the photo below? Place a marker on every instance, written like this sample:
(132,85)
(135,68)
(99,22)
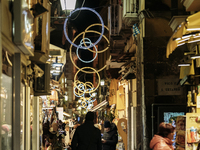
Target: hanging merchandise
(120,98)
(113,90)
(136,31)
(54,95)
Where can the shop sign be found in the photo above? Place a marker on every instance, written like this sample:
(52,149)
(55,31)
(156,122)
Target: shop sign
(169,87)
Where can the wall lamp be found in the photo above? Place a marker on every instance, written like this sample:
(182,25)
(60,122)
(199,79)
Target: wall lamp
(57,64)
(195,56)
(68,4)
(184,64)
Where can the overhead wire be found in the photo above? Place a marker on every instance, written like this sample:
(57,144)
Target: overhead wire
(79,11)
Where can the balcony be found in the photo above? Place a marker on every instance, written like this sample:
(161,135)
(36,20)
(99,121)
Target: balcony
(192,5)
(130,15)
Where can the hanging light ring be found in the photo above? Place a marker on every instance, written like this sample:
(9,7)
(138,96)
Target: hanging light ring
(81,42)
(82,69)
(80,9)
(80,91)
(87,31)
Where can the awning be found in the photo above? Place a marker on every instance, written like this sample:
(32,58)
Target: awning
(100,105)
(66,114)
(187,32)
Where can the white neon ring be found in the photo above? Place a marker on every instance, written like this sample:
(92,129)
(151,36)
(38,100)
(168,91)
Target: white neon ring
(82,90)
(102,28)
(79,90)
(81,42)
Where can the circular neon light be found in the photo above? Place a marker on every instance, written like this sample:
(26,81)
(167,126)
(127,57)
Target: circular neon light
(102,29)
(81,42)
(78,94)
(80,91)
(82,69)
(70,54)
(87,86)
(86,31)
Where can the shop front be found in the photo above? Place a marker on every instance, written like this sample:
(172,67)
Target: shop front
(187,33)
(119,107)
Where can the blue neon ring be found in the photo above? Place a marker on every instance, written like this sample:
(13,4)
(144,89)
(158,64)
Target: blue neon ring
(102,28)
(81,42)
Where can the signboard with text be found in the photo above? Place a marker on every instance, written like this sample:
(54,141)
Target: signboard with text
(169,86)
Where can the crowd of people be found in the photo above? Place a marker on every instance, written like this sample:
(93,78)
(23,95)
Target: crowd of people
(87,136)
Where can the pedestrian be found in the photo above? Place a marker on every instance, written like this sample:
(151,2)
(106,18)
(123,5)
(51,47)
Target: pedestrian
(163,139)
(110,136)
(73,130)
(87,136)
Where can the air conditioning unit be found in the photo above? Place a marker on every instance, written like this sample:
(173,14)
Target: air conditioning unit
(42,83)
(130,15)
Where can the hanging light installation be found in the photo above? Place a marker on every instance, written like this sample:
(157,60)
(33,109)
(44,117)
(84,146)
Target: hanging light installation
(85,90)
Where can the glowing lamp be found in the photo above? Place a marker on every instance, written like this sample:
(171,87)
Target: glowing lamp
(57,65)
(102,83)
(184,64)
(68,4)
(195,56)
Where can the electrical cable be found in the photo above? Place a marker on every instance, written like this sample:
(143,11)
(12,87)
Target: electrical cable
(79,11)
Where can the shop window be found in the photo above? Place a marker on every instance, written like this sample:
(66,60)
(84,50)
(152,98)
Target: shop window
(6,101)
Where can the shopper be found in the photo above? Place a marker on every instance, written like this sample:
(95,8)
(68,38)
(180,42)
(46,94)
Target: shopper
(110,136)
(87,136)
(163,139)
(73,130)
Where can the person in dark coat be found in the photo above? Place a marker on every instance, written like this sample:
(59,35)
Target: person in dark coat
(110,136)
(87,136)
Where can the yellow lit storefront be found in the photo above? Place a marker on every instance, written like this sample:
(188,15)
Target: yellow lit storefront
(187,33)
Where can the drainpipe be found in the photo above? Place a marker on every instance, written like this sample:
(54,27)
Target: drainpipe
(129,141)
(143,106)
(141,94)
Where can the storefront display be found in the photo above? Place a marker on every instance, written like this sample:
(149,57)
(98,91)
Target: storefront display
(192,131)
(6,102)
(6,132)
(22,116)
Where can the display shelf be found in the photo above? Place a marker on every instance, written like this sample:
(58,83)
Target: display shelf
(192,126)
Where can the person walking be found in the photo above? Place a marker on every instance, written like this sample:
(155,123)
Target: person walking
(110,136)
(163,139)
(87,136)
